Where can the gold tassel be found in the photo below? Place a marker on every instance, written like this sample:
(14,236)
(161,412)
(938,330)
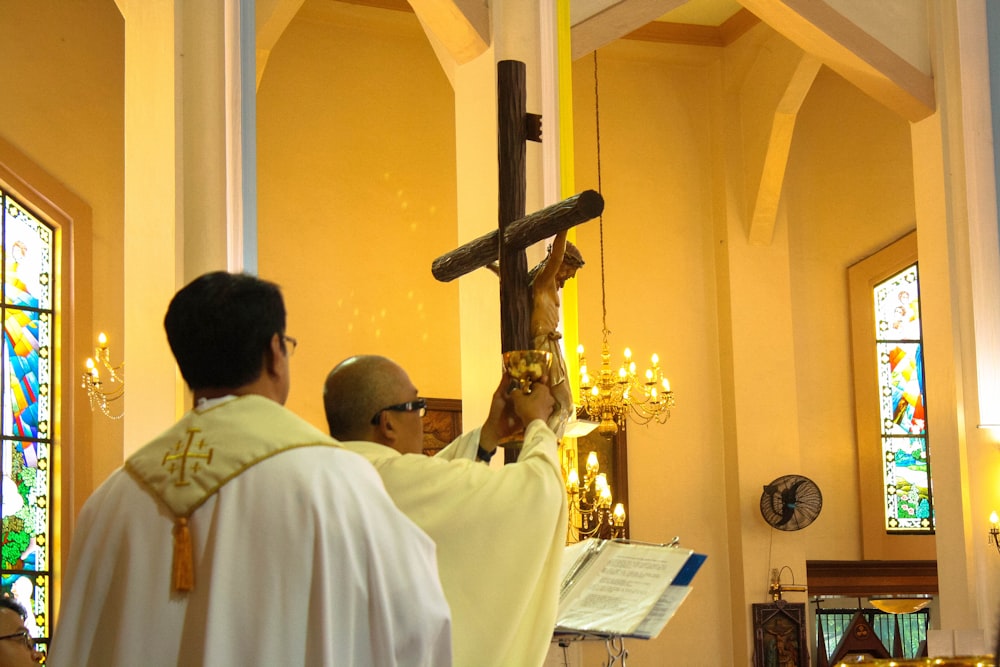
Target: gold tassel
(183,575)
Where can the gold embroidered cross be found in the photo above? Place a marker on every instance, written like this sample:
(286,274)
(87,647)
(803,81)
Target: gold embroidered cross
(178,457)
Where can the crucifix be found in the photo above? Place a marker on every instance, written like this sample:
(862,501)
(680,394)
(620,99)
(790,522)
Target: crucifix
(515,231)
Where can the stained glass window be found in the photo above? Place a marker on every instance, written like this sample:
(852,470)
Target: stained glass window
(909,507)
(26,401)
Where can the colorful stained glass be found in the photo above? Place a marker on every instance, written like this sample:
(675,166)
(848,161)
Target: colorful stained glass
(897,306)
(20,370)
(901,377)
(903,405)
(26,307)
(907,484)
(28,259)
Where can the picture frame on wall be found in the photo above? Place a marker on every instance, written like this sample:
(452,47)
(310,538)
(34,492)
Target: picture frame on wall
(612,457)
(442,423)
(780,634)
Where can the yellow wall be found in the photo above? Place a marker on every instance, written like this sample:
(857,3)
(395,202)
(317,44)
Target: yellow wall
(356,180)
(848,192)
(660,284)
(357,197)
(63,108)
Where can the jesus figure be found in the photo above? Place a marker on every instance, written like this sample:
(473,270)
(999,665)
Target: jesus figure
(546,279)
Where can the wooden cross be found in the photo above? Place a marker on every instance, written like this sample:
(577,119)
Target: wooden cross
(516,230)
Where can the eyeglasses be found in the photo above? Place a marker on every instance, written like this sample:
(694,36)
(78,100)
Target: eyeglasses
(292,344)
(419,405)
(24,637)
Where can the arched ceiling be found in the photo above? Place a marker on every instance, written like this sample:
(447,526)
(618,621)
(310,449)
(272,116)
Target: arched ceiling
(866,48)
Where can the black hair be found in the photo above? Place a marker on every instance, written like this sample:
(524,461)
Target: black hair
(13,605)
(220,327)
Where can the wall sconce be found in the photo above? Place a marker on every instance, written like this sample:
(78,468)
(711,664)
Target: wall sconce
(994,534)
(590,511)
(95,385)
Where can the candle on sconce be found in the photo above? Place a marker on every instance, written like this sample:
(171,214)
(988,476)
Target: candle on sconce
(618,516)
(573,481)
(102,341)
(601,483)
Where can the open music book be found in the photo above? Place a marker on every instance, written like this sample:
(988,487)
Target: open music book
(621,588)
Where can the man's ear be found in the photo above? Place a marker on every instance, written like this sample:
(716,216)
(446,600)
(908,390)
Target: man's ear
(386,432)
(271,356)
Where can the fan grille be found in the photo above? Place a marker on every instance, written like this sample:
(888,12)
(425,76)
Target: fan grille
(791,502)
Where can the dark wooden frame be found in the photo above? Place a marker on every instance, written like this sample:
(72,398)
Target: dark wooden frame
(865,578)
(442,423)
(775,621)
(612,455)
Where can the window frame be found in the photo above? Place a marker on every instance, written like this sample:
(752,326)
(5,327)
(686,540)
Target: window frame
(72,422)
(863,276)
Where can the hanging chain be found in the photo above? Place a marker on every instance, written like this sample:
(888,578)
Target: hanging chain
(600,219)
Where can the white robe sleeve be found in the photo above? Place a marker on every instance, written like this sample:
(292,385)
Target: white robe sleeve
(465,446)
(500,534)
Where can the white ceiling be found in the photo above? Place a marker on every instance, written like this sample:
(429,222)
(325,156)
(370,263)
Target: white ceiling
(703,12)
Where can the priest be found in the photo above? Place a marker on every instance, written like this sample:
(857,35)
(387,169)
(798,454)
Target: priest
(500,532)
(243,535)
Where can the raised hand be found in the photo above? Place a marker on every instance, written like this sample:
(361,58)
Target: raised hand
(536,405)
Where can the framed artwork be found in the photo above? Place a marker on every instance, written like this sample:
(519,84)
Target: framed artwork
(780,635)
(442,423)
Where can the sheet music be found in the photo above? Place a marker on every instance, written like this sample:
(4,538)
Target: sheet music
(662,611)
(617,592)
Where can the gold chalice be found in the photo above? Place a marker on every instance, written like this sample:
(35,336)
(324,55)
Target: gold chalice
(527,366)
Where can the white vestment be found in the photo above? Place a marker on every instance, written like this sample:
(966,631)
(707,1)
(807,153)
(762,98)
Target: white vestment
(500,536)
(300,559)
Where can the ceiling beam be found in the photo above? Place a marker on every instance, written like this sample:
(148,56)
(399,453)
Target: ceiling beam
(765,210)
(696,35)
(847,49)
(462,27)
(601,22)
(271,18)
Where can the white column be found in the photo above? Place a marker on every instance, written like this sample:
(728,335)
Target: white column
(184,201)
(958,254)
(516,36)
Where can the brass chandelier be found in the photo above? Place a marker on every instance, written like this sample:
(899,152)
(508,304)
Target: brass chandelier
(611,397)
